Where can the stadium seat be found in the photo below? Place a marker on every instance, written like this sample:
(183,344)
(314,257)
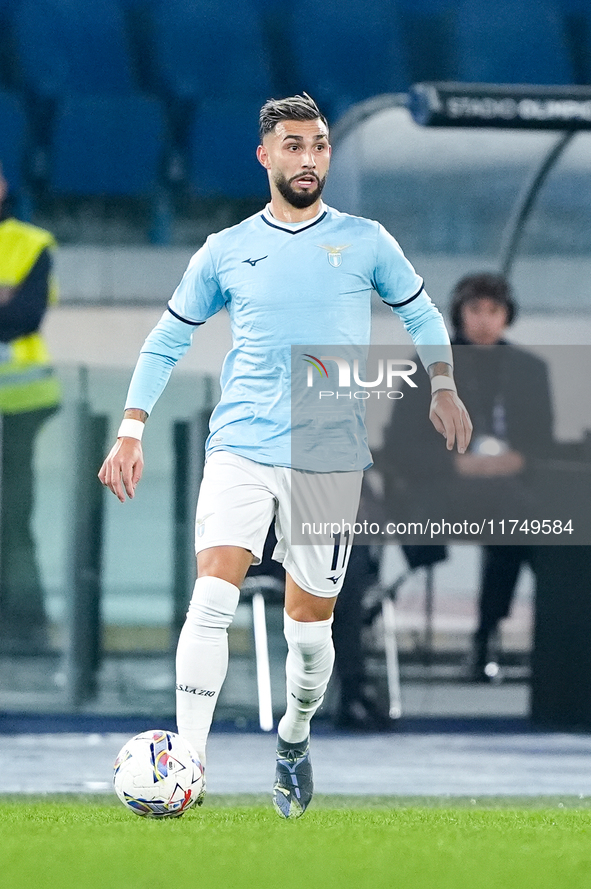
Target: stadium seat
(274,16)
(6,65)
(576,15)
(345,52)
(427,29)
(511,41)
(68,46)
(223,142)
(109,145)
(13,139)
(204,50)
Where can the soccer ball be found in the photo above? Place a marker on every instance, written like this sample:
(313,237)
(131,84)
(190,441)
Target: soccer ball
(158,774)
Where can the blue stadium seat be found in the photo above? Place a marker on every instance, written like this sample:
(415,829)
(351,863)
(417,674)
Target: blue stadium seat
(72,46)
(345,51)
(222,157)
(13,140)
(8,73)
(205,50)
(576,15)
(109,145)
(427,29)
(5,12)
(511,41)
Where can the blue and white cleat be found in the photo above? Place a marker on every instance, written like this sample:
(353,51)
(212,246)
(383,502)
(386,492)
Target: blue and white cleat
(294,784)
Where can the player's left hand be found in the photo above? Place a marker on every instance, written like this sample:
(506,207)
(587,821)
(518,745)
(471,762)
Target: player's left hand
(450,417)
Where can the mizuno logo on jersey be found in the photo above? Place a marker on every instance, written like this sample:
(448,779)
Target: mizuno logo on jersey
(253,262)
(334,253)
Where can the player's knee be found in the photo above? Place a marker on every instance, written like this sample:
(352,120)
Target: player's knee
(305,607)
(318,660)
(311,641)
(213,603)
(303,613)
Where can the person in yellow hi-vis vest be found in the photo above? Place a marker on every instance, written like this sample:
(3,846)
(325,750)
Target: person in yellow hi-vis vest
(29,394)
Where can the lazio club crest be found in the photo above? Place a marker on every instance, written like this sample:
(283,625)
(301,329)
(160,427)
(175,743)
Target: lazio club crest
(334,254)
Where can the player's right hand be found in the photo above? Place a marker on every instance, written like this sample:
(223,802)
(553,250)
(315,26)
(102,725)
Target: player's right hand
(450,417)
(123,467)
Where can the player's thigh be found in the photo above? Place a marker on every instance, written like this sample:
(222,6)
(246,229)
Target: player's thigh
(235,505)
(328,503)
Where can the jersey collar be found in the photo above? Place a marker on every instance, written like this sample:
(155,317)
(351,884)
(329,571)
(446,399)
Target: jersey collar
(293,227)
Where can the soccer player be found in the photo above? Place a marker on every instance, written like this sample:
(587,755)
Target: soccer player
(298,272)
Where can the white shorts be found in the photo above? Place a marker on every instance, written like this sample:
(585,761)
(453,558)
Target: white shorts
(238,500)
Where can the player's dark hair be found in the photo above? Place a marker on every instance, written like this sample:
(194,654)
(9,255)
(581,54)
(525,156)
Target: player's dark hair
(484,285)
(293,108)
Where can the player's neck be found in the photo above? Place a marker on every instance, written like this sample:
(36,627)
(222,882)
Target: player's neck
(283,211)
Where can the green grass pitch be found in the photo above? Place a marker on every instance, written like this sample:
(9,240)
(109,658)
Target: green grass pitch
(340,843)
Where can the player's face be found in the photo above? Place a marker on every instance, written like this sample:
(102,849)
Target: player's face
(297,156)
(483,321)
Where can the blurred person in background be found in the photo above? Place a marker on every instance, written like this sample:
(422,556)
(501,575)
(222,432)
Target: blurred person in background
(506,391)
(29,394)
(510,392)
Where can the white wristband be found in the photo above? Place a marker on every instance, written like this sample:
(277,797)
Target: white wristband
(131,429)
(442,382)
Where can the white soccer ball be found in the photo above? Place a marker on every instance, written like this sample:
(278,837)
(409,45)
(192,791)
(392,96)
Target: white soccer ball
(158,774)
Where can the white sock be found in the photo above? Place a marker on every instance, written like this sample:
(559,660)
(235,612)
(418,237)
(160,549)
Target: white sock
(310,659)
(202,658)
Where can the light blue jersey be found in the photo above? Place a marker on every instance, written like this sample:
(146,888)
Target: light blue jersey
(283,285)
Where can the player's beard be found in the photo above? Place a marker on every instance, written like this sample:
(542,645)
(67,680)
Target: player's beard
(298,199)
